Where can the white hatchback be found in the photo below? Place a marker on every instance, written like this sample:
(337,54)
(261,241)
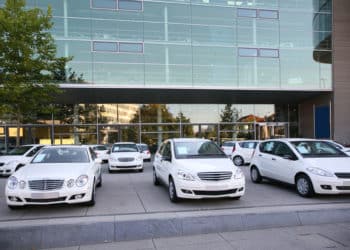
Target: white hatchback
(313,166)
(125,156)
(243,152)
(17,158)
(57,174)
(196,168)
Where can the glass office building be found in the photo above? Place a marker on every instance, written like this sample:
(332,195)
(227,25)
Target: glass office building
(275,51)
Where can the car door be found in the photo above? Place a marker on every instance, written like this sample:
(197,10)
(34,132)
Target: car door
(283,163)
(165,162)
(265,158)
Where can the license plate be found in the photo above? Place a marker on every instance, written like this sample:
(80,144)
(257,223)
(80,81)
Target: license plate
(217,187)
(45,195)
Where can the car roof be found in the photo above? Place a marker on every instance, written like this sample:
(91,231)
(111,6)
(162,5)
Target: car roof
(292,139)
(188,139)
(123,143)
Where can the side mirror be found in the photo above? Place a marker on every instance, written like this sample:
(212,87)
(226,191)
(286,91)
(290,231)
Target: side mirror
(166,158)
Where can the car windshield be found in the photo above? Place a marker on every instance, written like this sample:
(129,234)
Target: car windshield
(125,148)
(142,147)
(62,155)
(19,150)
(317,149)
(198,149)
(100,148)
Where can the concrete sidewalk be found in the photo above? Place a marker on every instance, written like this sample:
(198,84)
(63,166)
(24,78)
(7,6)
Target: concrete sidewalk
(335,236)
(77,231)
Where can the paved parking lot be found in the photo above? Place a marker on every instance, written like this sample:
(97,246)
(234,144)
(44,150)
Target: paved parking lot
(134,193)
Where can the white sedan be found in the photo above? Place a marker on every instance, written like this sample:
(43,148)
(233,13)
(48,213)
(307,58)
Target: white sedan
(125,156)
(313,166)
(57,174)
(196,168)
(17,158)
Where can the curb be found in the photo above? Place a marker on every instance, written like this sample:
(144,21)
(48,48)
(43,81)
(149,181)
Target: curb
(65,232)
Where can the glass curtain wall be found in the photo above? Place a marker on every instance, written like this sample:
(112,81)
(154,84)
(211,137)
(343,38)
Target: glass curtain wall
(255,44)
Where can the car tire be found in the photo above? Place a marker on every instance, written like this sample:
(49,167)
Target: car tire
(304,186)
(155,178)
(172,191)
(110,171)
(14,207)
(238,161)
(141,170)
(99,184)
(93,196)
(255,175)
(236,198)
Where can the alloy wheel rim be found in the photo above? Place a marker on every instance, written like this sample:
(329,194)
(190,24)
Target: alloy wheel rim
(238,161)
(254,174)
(171,190)
(303,186)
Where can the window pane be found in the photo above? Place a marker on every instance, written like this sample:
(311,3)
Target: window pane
(105,46)
(246,12)
(268,14)
(247,52)
(131,47)
(130,5)
(268,53)
(106,4)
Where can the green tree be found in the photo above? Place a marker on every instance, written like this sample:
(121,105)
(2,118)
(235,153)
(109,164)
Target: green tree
(227,115)
(27,61)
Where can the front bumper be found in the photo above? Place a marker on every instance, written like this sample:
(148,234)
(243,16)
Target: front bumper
(22,197)
(6,171)
(117,165)
(210,189)
(331,185)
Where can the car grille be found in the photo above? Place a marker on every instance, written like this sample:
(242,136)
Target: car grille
(345,188)
(46,184)
(220,192)
(343,175)
(215,176)
(45,200)
(126,159)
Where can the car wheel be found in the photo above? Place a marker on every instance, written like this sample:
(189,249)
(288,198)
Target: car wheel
(238,161)
(155,178)
(92,201)
(255,175)
(304,186)
(141,170)
(109,170)
(99,184)
(172,191)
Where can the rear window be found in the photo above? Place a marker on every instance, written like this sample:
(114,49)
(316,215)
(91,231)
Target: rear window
(249,145)
(100,148)
(228,144)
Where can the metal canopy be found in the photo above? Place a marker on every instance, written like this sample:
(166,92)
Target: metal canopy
(88,94)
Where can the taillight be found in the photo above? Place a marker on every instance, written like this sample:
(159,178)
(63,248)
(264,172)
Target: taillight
(147,152)
(222,148)
(233,149)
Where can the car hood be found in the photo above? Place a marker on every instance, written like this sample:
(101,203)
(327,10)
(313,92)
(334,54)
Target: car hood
(336,164)
(52,170)
(206,165)
(8,158)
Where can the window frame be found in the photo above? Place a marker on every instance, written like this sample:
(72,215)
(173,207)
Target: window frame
(104,51)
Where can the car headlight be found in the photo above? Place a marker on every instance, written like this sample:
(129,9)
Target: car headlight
(318,171)
(113,158)
(70,183)
(185,176)
(12,182)
(82,180)
(238,174)
(139,158)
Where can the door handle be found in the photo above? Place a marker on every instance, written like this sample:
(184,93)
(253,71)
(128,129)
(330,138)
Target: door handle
(273,159)
(260,155)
